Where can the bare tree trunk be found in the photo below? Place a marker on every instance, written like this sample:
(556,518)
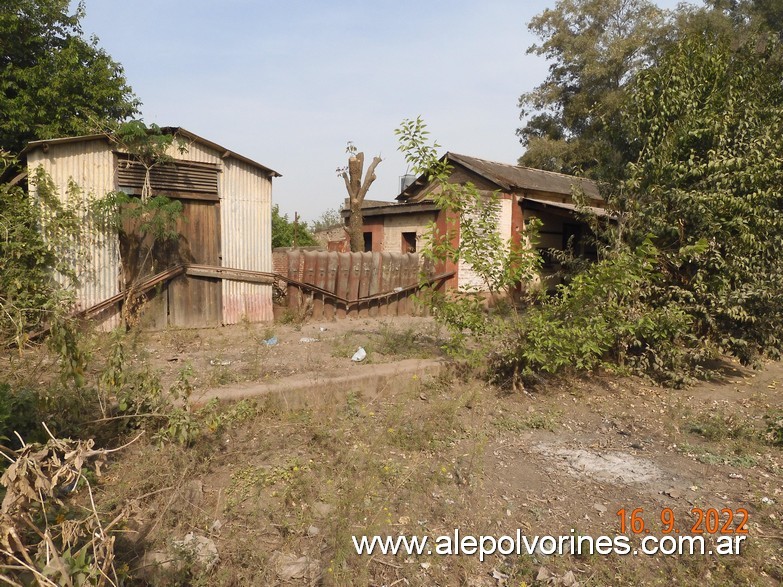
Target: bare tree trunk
(357,190)
(356,229)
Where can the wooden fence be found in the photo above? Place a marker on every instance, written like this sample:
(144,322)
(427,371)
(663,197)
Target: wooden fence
(328,285)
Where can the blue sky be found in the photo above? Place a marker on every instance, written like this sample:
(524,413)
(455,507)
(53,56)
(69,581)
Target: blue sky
(288,83)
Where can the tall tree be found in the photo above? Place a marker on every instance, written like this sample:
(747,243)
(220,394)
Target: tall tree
(756,15)
(357,190)
(595,47)
(54,81)
(706,182)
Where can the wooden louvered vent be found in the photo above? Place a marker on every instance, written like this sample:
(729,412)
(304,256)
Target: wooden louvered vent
(183,179)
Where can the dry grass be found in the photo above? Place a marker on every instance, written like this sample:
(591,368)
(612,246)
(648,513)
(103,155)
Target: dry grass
(271,485)
(423,458)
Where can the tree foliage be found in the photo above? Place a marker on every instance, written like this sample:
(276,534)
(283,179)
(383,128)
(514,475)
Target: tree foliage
(758,16)
(707,185)
(54,81)
(145,226)
(595,47)
(286,233)
(328,219)
(34,243)
(694,269)
(499,263)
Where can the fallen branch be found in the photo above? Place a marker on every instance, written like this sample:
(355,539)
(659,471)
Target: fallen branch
(40,475)
(383,562)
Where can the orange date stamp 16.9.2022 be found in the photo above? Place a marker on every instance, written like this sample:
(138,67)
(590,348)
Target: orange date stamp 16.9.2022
(709,521)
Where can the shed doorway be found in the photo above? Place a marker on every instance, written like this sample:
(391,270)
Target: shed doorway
(197,301)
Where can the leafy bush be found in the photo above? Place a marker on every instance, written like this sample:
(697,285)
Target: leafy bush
(39,245)
(286,233)
(705,186)
(19,413)
(605,317)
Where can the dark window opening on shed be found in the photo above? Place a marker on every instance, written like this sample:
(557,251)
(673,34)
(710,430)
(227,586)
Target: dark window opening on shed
(572,237)
(408,242)
(577,237)
(549,261)
(368,241)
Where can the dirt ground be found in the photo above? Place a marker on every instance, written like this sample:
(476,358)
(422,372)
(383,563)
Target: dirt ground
(235,354)
(280,492)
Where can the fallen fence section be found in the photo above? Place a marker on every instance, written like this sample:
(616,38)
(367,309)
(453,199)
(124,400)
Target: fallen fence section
(329,285)
(318,284)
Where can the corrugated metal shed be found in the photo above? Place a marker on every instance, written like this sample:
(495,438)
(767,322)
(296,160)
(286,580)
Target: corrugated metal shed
(243,203)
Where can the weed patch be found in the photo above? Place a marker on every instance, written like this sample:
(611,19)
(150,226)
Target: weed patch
(535,421)
(774,432)
(717,426)
(729,457)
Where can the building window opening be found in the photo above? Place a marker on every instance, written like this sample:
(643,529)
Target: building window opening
(408,242)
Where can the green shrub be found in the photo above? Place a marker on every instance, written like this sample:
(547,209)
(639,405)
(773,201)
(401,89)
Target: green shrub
(605,317)
(19,413)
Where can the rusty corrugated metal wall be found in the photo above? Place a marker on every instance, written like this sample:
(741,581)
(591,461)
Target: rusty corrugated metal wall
(91,165)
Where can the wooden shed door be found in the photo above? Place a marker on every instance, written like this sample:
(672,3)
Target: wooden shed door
(196,301)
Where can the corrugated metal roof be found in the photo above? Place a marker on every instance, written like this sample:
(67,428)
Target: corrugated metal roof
(178,130)
(392,208)
(513,178)
(368,204)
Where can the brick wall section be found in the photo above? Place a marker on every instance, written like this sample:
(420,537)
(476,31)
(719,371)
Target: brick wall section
(394,226)
(375,226)
(280,262)
(329,235)
(443,225)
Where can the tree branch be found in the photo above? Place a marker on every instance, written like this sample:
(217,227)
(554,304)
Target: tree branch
(344,175)
(369,177)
